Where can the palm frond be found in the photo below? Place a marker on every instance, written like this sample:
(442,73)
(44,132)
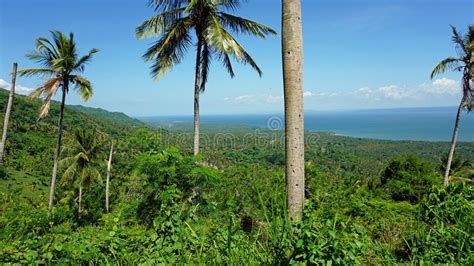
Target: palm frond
(42,58)
(227,63)
(79,65)
(70,173)
(48,90)
(206,57)
(42,72)
(193,4)
(469,38)
(459,42)
(83,87)
(158,24)
(164,5)
(46,45)
(170,48)
(450,62)
(223,42)
(231,5)
(242,25)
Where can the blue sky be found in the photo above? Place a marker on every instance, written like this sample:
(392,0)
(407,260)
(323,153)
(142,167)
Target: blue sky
(358,54)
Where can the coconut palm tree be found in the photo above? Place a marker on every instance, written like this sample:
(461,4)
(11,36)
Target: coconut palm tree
(83,157)
(175,24)
(292,51)
(464,63)
(7,114)
(61,65)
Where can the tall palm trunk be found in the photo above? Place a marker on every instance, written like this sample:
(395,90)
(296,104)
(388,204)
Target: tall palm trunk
(7,114)
(79,203)
(109,166)
(197,82)
(453,143)
(58,146)
(292,49)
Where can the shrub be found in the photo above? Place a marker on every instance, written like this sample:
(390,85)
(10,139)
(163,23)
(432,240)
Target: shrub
(447,235)
(3,173)
(333,242)
(408,178)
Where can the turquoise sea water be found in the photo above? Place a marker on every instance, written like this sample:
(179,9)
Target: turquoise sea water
(431,124)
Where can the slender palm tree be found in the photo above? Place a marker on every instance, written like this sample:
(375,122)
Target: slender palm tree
(292,51)
(109,168)
(61,65)
(175,24)
(464,63)
(83,157)
(7,114)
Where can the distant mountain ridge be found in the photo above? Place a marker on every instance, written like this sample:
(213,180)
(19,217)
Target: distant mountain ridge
(117,117)
(102,114)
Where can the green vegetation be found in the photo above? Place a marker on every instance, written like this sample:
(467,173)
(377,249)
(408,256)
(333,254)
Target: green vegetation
(251,196)
(367,201)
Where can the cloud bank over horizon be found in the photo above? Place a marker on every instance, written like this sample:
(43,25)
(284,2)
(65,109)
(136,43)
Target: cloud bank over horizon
(439,92)
(19,89)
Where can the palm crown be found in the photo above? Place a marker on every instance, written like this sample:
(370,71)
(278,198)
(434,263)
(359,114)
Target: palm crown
(61,64)
(174,24)
(83,157)
(463,62)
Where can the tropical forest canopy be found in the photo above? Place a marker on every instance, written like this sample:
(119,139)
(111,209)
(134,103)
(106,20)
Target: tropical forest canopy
(368,201)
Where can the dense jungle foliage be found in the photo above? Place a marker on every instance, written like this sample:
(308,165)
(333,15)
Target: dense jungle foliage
(367,201)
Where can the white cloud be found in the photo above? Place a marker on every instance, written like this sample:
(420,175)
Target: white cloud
(245,98)
(4,84)
(273,99)
(442,86)
(440,92)
(18,88)
(264,98)
(438,88)
(256,99)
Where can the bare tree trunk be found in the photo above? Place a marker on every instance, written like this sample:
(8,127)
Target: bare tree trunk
(7,114)
(197,82)
(109,166)
(58,147)
(292,45)
(453,144)
(79,202)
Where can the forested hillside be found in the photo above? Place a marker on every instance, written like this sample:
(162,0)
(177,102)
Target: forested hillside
(115,117)
(367,201)
(31,141)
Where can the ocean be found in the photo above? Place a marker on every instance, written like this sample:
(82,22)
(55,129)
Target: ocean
(427,124)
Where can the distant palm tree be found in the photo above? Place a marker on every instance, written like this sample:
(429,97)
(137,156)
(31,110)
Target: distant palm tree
(460,169)
(292,52)
(61,66)
(463,63)
(178,20)
(11,96)
(83,157)
(457,164)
